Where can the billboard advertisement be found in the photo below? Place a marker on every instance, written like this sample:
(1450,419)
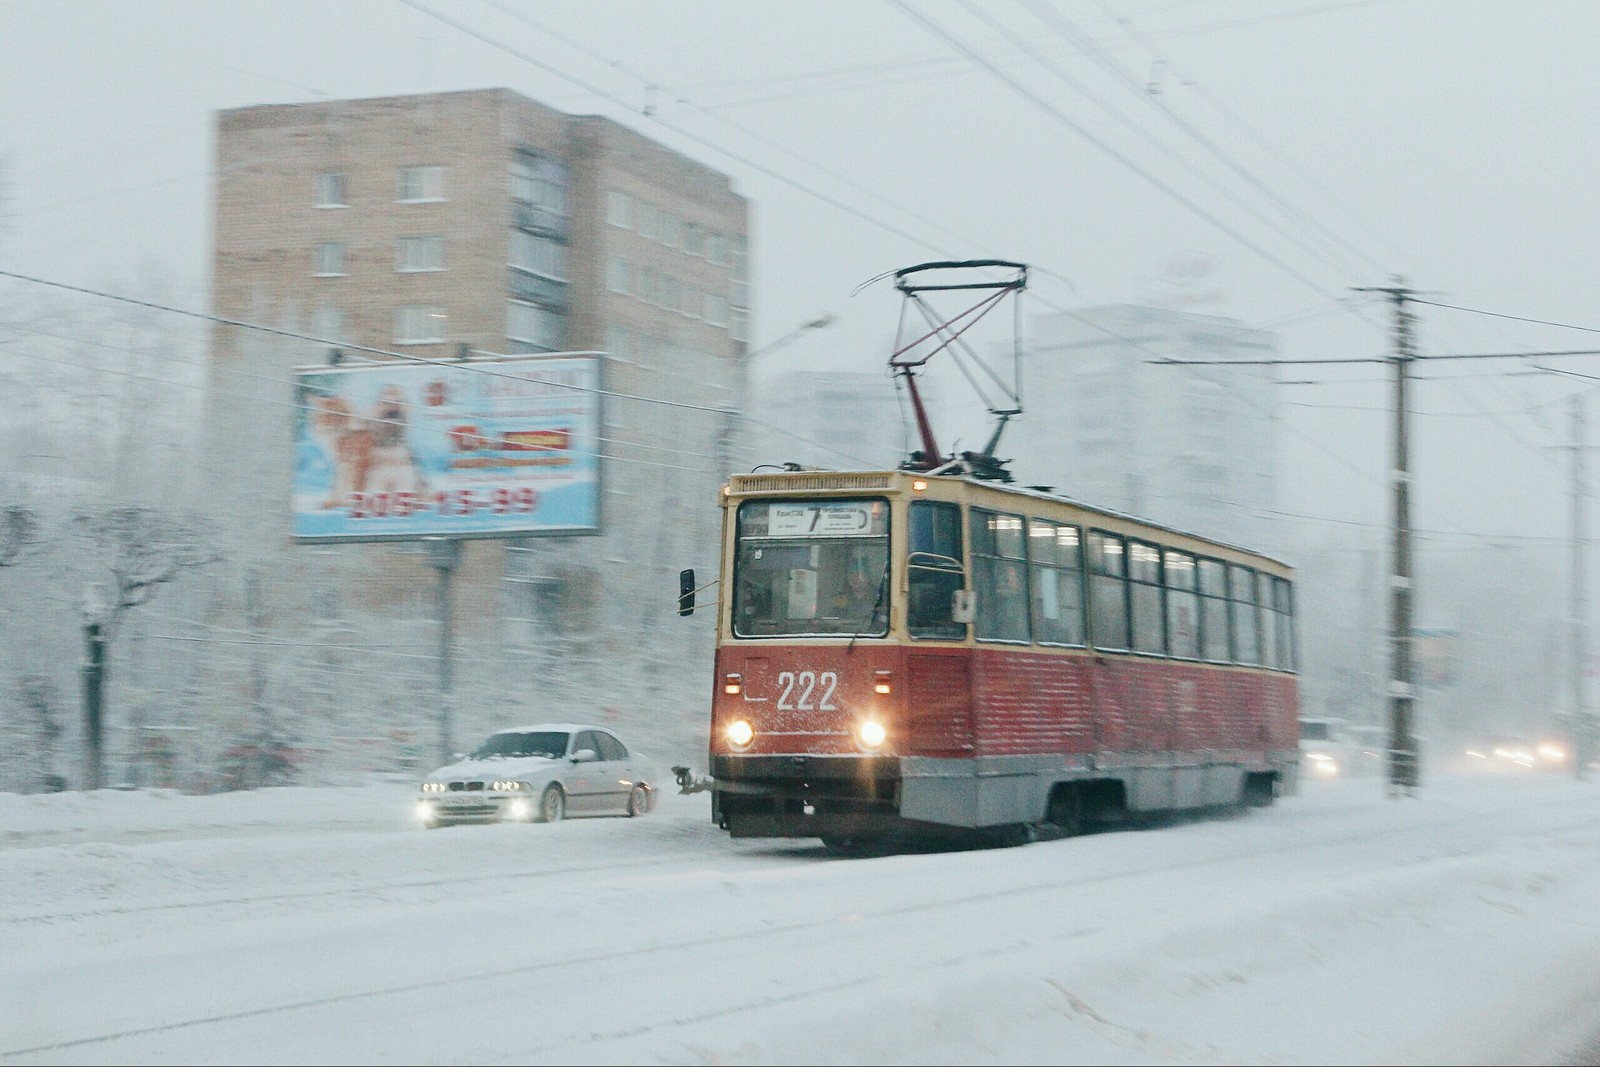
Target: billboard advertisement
(486,448)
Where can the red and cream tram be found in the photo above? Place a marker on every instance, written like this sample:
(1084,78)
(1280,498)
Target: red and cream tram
(901,652)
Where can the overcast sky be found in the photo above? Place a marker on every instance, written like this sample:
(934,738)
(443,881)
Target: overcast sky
(1298,147)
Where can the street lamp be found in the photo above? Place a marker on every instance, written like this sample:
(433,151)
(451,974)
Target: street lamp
(738,416)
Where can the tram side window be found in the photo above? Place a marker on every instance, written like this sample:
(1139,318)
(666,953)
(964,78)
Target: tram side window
(1183,606)
(1271,656)
(1144,592)
(1108,591)
(999,576)
(1056,558)
(1283,601)
(1243,615)
(935,569)
(1213,612)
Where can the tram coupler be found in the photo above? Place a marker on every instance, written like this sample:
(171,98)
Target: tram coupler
(688,783)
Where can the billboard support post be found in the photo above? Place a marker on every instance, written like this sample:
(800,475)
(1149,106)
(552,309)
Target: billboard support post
(444,554)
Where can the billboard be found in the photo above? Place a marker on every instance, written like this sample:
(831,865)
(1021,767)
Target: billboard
(487,448)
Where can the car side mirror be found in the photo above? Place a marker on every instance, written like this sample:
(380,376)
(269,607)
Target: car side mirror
(585,755)
(686,592)
(963,605)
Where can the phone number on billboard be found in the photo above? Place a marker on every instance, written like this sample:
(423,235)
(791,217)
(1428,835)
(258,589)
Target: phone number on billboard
(519,501)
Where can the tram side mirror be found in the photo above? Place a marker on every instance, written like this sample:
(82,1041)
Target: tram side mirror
(963,605)
(686,592)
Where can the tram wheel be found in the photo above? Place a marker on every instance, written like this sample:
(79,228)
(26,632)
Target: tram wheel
(1066,810)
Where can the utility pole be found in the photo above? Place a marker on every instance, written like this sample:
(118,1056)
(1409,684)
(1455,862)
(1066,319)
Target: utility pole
(1579,621)
(444,556)
(1403,768)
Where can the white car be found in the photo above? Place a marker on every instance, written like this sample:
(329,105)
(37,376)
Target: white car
(542,773)
(1324,748)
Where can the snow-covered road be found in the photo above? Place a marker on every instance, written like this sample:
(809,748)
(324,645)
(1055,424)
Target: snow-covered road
(318,925)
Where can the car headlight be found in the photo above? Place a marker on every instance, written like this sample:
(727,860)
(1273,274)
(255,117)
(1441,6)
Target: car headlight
(434,787)
(508,787)
(740,733)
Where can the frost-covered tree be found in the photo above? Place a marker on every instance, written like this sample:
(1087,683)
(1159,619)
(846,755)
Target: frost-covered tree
(135,551)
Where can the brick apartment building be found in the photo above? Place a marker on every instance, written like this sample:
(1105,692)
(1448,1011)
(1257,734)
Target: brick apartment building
(483,220)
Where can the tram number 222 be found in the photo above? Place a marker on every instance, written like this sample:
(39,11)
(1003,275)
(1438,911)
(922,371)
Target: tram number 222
(799,689)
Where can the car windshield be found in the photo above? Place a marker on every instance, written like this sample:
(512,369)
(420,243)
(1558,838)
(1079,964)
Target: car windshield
(551,744)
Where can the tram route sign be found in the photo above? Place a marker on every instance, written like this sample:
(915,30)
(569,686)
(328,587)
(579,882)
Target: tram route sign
(504,447)
(841,518)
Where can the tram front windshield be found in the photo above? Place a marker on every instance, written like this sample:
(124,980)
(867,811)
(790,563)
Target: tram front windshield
(813,568)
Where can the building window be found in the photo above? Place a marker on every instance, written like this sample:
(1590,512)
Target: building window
(644,219)
(671,230)
(413,254)
(330,190)
(617,275)
(530,324)
(538,255)
(421,184)
(419,325)
(1055,555)
(739,324)
(716,309)
(618,342)
(327,324)
(541,186)
(717,249)
(328,260)
(619,209)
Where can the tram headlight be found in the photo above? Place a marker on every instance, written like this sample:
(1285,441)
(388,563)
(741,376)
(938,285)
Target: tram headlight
(740,733)
(871,733)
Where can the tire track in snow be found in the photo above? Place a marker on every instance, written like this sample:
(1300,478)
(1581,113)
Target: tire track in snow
(634,952)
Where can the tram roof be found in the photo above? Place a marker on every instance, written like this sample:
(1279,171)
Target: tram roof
(867,481)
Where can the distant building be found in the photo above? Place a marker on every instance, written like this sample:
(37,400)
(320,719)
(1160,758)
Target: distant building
(483,221)
(1193,447)
(839,420)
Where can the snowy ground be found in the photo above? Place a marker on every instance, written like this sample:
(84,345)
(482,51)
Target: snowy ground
(318,925)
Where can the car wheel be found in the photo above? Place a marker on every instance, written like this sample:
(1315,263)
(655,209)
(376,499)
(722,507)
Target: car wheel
(553,805)
(638,801)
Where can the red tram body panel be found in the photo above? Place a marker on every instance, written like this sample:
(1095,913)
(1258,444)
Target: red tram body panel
(899,712)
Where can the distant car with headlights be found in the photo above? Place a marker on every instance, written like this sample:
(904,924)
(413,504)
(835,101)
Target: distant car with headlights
(542,773)
(1325,748)
(1548,753)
